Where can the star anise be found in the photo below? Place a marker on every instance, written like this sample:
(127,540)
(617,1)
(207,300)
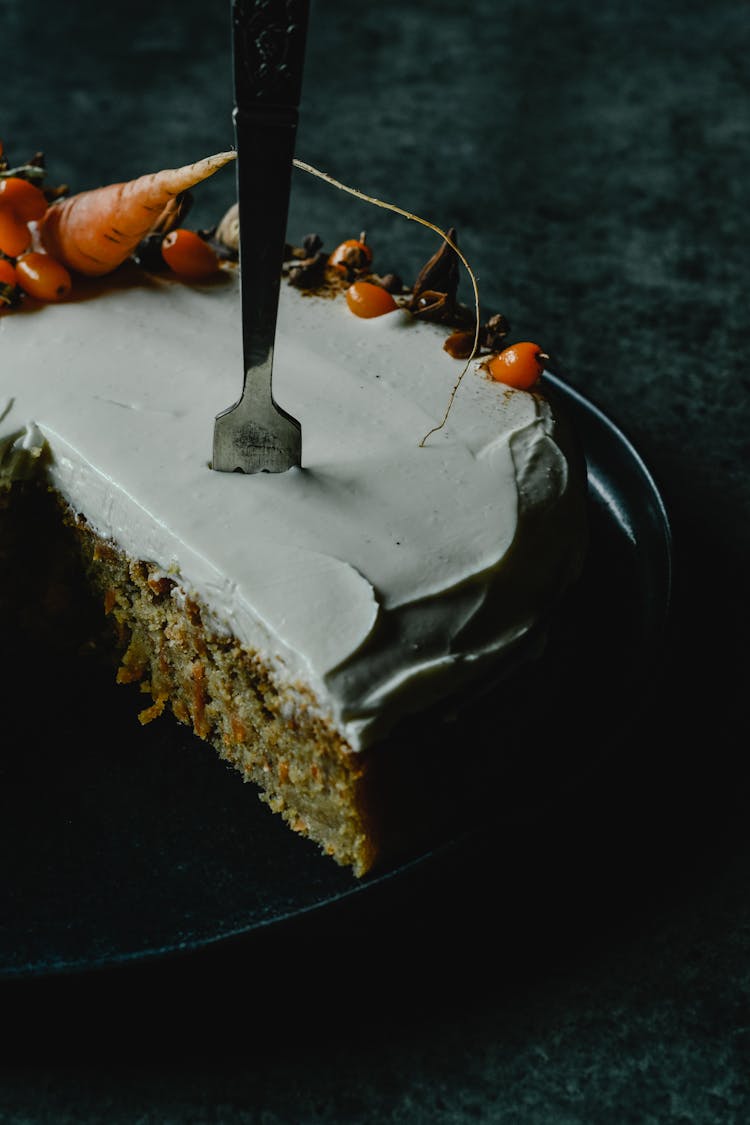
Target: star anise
(434,291)
(433,295)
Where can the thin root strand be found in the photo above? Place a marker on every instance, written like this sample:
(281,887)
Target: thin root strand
(432,226)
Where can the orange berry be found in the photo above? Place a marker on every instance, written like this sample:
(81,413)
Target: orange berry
(189,255)
(27,200)
(42,276)
(367,299)
(15,235)
(352,253)
(7,273)
(519,365)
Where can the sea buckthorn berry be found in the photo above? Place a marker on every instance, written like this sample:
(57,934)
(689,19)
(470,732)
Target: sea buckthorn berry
(519,365)
(15,235)
(189,255)
(26,199)
(42,276)
(351,254)
(367,300)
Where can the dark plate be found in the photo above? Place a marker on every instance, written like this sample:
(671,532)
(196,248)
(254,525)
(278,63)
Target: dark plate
(120,843)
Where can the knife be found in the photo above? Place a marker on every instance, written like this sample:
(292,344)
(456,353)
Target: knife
(268,45)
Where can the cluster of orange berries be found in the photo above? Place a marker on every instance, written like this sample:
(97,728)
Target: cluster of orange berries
(519,365)
(22,267)
(364,298)
(26,269)
(188,255)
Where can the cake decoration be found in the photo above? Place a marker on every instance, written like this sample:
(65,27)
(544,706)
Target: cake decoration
(299,621)
(146,212)
(188,255)
(519,365)
(23,197)
(42,276)
(366,299)
(351,255)
(49,237)
(93,232)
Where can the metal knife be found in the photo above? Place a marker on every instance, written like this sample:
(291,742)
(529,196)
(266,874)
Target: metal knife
(268,45)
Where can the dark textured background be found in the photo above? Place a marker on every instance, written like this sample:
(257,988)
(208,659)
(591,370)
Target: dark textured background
(595,160)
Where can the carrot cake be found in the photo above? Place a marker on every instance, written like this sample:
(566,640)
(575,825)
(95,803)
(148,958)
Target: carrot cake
(296,620)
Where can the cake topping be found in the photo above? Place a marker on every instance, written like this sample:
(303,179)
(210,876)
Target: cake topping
(47,235)
(370,585)
(15,236)
(43,277)
(519,365)
(44,238)
(188,255)
(94,232)
(24,198)
(367,300)
(309,263)
(435,289)
(492,336)
(352,256)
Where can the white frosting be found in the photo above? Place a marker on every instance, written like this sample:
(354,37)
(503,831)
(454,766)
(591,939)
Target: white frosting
(382,573)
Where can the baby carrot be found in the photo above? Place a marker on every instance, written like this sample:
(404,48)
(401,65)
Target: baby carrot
(94,231)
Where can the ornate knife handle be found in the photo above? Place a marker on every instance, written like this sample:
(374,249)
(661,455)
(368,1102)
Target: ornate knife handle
(269,47)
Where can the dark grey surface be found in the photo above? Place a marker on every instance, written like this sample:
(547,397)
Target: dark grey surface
(595,161)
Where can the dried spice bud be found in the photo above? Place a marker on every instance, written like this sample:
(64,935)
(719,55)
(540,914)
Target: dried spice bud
(493,333)
(147,253)
(309,272)
(434,292)
(440,274)
(51,194)
(429,304)
(390,281)
(311,244)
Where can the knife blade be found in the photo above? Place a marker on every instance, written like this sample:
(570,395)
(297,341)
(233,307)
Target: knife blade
(268,46)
